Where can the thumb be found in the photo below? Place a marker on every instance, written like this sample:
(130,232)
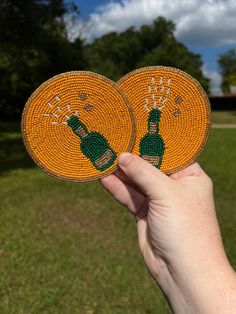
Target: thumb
(149,179)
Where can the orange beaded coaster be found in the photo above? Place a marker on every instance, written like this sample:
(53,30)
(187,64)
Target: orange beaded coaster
(172,115)
(76,124)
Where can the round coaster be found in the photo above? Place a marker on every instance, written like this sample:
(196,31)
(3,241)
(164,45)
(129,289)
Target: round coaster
(172,114)
(76,124)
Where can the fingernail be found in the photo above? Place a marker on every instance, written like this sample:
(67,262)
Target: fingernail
(125,159)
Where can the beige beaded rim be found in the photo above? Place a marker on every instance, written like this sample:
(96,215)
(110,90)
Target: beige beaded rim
(185,115)
(103,109)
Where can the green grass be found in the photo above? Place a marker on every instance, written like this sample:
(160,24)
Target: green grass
(69,248)
(224,117)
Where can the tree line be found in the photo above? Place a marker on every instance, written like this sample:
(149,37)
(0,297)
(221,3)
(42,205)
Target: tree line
(34,46)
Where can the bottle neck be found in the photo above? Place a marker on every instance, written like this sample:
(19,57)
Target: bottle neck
(78,127)
(153,121)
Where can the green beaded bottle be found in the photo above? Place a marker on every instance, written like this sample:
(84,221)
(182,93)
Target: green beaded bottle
(93,145)
(152,145)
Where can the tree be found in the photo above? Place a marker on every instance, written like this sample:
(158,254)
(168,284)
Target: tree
(33,47)
(227,64)
(116,54)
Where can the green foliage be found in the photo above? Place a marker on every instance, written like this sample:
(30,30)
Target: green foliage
(227,64)
(115,54)
(34,47)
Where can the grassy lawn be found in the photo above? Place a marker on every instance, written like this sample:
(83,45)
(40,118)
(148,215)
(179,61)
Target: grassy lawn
(69,248)
(224,117)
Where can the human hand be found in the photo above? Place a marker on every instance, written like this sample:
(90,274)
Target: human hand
(178,232)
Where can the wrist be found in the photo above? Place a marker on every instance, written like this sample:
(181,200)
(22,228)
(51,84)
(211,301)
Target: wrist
(171,289)
(207,290)
(211,288)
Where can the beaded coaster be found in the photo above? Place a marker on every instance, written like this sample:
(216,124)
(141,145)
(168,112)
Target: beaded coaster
(76,124)
(172,114)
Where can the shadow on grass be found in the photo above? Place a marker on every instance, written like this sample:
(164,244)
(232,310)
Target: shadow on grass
(13,155)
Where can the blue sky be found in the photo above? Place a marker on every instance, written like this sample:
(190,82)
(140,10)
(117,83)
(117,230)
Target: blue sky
(207,27)
(89,6)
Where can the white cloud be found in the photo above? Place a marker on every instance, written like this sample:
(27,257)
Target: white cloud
(200,22)
(215,81)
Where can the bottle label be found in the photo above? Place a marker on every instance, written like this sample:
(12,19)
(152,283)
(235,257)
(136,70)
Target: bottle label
(153,128)
(80,131)
(152,159)
(104,159)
